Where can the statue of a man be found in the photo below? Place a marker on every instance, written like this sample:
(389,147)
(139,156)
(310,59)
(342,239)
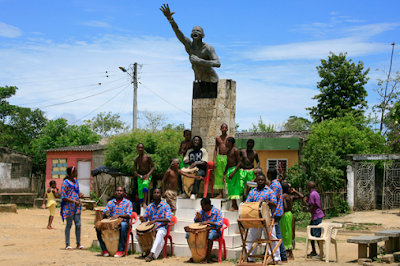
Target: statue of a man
(202,55)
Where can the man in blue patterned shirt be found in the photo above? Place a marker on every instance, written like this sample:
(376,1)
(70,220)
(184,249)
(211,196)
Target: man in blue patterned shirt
(260,194)
(158,213)
(278,212)
(211,216)
(117,208)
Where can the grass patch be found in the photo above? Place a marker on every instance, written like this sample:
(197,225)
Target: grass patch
(90,223)
(300,239)
(357,227)
(94,249)
(302,224)
(24,206)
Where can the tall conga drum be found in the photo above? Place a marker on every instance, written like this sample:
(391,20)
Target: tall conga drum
(110,230)
(188,182)
(197,241)
(254,210)
(147,234)
(98,214)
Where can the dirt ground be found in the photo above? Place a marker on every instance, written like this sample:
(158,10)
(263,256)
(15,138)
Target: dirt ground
(25,241)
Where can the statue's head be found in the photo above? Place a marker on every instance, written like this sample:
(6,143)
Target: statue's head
(197,33)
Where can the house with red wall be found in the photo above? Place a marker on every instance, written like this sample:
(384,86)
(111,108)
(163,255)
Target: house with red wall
(85,158)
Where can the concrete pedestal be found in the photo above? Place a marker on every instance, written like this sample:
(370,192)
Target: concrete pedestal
(208,114)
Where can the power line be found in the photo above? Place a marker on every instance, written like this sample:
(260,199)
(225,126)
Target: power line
(43,81)
(52,76)
(64,89)
(102,104)
(69,95)
(164,99)
(80,98)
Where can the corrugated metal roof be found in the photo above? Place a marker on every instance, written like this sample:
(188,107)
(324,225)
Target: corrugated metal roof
(93,147)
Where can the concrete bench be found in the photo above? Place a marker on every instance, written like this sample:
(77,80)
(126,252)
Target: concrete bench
(367,241)
(393,244)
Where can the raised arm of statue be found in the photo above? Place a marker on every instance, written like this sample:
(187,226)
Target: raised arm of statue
(182,38)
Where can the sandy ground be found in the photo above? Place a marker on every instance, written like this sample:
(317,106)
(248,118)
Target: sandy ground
(25,241)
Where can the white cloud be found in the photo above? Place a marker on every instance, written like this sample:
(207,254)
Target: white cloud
(9,31)
(99,24)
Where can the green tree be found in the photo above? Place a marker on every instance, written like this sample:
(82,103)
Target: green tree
(58,134)
(154,121)
(393,124)
(389,92)
(342,88)
(173,126)
(327,147)
(107,124)
(161,146)
(295,123)
(261,127)
(5,108)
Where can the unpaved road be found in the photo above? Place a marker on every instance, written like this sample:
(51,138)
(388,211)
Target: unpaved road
(25,241)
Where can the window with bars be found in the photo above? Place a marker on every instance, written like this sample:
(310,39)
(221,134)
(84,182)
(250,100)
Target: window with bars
(59,168)
(278,164)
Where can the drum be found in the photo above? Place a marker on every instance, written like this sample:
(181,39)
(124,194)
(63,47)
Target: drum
(197,241)
(188,182)
(147,234)
(110,233)
(99,214)
(254,210)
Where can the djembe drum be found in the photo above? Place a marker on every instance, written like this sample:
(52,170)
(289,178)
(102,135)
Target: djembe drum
(99,214)
(254,210)
(147,234)
(110,230)
(187,181)
(198,236)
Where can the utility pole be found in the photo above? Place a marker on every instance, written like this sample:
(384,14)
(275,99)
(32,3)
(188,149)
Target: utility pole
(135,96)
(132,72)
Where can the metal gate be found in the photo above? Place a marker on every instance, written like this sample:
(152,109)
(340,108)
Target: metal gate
(391,186)
(365,186)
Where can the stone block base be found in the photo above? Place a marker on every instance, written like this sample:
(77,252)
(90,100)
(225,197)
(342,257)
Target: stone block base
(8,208)
(389,258)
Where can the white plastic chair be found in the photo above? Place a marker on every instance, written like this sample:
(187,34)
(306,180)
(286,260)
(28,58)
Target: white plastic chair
(328,236)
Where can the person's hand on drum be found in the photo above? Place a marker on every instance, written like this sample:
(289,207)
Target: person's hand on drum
(193,165)
(186,161)
(107,214)
(199,178)
(115,217)
(205,223)
(151,222)
(141,218)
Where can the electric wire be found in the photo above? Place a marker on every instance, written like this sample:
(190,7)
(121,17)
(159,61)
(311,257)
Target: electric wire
(164,99)
(122,106)
(56,104)
(69,95)
(44,81)
(101,105)
(64,89)
(66,75)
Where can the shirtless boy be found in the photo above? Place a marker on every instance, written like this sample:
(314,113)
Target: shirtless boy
(220,160)
(143,174)
(235,186)
(183,148)
(287,221)
(248,156)
(172,176)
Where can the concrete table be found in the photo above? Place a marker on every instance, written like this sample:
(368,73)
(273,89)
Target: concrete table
(393,244)
(367,241)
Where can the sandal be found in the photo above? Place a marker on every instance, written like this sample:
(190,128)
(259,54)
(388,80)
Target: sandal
(148,259)
(69,248)
(81,247)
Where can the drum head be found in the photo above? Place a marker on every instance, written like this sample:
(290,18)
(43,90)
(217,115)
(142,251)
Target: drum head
(197,226)
(108,220)
(265,211)
(145,227)
(189,170)
(99,208)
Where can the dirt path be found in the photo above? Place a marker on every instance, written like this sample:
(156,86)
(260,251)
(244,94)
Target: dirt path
(25,241)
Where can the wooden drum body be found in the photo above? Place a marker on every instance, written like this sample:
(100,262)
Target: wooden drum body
(110,230)
(254,210)
(197,241)
(188,182)
(146,234)
(99,214)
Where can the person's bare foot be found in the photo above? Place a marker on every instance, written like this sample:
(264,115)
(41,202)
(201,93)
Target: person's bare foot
(190,260)
(218,197)
(49,227)
(231,209)
(204,262)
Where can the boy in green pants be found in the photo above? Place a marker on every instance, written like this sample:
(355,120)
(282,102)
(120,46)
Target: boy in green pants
(143,174)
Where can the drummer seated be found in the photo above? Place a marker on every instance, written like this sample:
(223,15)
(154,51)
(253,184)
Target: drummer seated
(117,208)
(211,216)
(158,213)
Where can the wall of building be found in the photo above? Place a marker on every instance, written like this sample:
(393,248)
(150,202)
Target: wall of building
(98,158)
(15,171)
(264,155)
(72,160)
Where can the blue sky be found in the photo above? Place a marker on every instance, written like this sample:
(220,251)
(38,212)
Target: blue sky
(59,51)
